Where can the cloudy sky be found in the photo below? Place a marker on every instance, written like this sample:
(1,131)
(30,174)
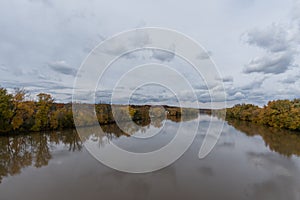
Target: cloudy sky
(255,44)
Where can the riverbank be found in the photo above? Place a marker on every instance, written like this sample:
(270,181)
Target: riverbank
(20,115)
(283,114)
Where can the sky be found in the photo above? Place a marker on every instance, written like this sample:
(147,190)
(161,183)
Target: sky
(254,44)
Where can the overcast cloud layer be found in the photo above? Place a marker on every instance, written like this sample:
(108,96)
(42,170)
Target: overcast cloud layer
(255,44)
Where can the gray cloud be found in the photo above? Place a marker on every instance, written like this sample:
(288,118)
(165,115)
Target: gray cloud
(62,67)
(274,38)
(164,56)
(254,84)
(291,79)
(272,63)
(251,92)
(128,42)
(3,68)
(205,55)
(67,32)
(279,42)
(36,84)
(226,79)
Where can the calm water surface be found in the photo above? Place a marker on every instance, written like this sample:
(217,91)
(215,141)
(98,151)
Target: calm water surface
(249,162)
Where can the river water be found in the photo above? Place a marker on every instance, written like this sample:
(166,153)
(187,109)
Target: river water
(248,162)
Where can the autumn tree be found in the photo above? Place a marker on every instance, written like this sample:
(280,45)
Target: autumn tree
(42,116)
(61,118)
(278,113)
(22,110)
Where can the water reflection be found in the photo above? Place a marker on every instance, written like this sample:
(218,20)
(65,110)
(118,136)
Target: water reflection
(240,167)
(284,181)
(281,141)
(33,149)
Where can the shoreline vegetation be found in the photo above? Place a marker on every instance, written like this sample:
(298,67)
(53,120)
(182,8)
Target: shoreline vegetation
(19,115)
(282,114)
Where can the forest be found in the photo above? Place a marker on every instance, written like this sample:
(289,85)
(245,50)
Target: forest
(278,113)
(17,114)
(20,115)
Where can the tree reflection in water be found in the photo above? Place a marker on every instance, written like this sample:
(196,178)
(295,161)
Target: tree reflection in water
(282,141)
(34,149)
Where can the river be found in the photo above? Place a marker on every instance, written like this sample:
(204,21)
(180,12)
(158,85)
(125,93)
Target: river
(248,162)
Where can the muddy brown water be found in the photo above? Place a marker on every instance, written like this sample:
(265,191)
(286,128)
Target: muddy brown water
(248,162)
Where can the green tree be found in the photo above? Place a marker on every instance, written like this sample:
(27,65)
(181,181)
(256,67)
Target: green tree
(42,116)
(6,110)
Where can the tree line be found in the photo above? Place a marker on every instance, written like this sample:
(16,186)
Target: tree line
(278,113)
(19,115)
